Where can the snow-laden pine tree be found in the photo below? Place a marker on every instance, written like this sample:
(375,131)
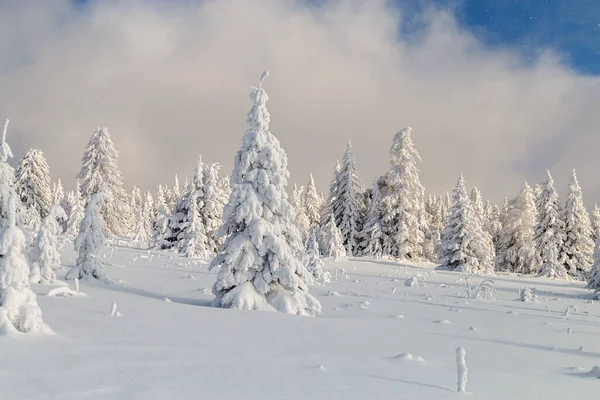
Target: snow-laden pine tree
(347,203)
(478,206)
(193,237)
(7,178)
(160,224)
(176,192)
(403,200)
(212,199)
(550,232)
(594,277)
(578,247)
(58,194)
(463,244)
(33,185)
(259,265)
(596,223)
(372,236)
(327,205)
(301,220)
(312,204)
(101,174)
(178,220)
(312,258)
(89,242)
(142,233)
(19,311)
(333,246)
(516,245)
(46,255)
(76,213)
(135,206)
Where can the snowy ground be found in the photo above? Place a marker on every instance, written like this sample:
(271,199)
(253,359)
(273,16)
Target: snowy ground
(376,339)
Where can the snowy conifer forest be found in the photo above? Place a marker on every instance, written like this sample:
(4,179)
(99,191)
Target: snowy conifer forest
(111,291)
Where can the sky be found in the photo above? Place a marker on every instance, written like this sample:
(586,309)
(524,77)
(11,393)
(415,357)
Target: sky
(497,90)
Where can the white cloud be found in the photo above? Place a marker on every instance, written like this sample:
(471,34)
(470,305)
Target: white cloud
(171,80)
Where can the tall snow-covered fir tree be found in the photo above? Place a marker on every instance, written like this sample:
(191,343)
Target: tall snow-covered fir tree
(7,178)
(347,203)
(403,200)
(301,220)
(594,277)
(463,244)
(101,174)
(312,204)
(259,265)
(160,224)
(327,205)
(212,199)
(596,222)
(143,229)
(58,193)
(192,242)
(19,311)
(89,242)
(517,248)
(33,185)
(550,232)
(46,257)
(76,212)
(578,246)
(372,236)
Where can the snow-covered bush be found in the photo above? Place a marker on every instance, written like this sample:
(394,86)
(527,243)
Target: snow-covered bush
(461,367)
(333,246)
(527,294)
(416,280)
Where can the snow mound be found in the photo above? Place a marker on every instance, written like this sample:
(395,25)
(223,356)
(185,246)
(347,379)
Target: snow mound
(443,321)
(408,357)
(365,305)
(513,312)
(64,291)
(189,276)
(321,368)
(399,316)
(595,372)
(473,328)
(332,293)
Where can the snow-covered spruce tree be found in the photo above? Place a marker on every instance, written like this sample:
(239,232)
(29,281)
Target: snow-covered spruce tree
(312,204)
(347,205)
(258,263)
(333,246)
(301,220)
(596,222)
(578,247)
(550,232)
(594,277)
(46,257)
(176,192)
(178,220)
(76,213)
(212,199)
(403,200)
(89,242)
(19,311)
(371,237)
(7,178)
(193,237)
(135,206)
(101,174)
(478,206)
(517,247)
(327,205)
(141,234)
(312,258)
(58,193)
(160,225)
(463,245)
(33,185)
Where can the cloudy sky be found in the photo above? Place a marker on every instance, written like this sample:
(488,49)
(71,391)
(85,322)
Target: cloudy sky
(488,89)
